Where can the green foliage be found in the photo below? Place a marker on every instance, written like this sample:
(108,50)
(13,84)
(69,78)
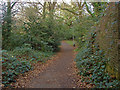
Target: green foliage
(91,62)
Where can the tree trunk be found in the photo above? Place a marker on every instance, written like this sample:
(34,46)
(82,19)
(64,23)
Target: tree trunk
(8,18)
(44,8)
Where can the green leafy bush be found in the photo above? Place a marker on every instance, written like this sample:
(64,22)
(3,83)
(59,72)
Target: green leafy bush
(42,35)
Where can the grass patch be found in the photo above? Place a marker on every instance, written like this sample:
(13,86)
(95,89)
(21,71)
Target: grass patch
(70,42)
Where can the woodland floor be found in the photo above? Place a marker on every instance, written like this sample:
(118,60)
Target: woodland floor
(59,72)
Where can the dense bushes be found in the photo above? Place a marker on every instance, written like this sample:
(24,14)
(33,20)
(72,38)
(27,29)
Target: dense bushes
(40,37)
(91,62)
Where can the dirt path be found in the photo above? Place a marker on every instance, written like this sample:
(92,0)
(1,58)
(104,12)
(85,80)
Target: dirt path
(58,74)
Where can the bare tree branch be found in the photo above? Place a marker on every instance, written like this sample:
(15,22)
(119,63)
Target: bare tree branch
(13,5)
(41,4)
(89,10)
(69,11)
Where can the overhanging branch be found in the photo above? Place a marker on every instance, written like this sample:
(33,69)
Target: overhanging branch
(69,11)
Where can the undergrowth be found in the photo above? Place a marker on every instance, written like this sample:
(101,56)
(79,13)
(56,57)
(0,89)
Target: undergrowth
(19,61)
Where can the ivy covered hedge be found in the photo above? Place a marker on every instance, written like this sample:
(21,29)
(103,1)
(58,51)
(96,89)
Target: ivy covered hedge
(91,63)
(108,37)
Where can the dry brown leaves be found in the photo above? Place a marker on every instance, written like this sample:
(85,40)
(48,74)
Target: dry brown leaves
(24,79)
(79,83)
